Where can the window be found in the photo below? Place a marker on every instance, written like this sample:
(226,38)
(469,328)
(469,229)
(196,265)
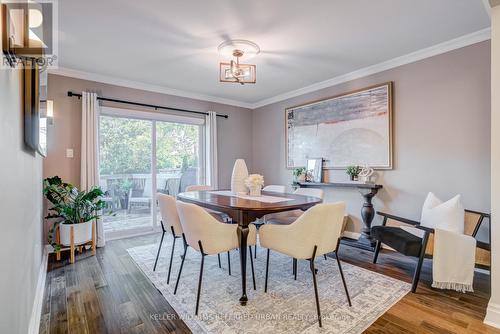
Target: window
(134,146)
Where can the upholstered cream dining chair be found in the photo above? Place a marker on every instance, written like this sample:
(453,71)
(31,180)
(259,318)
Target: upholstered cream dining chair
(275,188)
(169,220)
(199,187)
(205,234)
(316,232)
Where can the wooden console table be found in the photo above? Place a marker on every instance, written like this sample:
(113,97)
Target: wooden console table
(368,191)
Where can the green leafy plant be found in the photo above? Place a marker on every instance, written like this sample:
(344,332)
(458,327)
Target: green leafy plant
(70,205)
(297,172)
(353,171)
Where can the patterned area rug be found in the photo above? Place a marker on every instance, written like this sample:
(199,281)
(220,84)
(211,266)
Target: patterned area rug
(287,307)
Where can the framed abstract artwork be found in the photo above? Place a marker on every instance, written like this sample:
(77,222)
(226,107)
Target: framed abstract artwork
(354,128)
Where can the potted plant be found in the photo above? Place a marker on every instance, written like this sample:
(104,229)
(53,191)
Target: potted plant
(299,174)
(353,172)
(71,207)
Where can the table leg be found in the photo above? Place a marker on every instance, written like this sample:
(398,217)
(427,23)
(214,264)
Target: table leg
(242,236)
(367,214)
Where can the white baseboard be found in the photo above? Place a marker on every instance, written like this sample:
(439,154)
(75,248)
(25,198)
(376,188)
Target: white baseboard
(36,313)
(493,315)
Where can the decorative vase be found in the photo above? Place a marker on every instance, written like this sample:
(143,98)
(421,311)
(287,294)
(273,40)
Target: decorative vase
(255,191)
(82,233)
(240,173)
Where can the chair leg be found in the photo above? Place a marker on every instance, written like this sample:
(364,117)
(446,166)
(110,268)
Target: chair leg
(343,279)
(171,260)
(200,279)
(295,269)
(267,270)
(218,258)
(416,275)
(251,265)
(182,264)
(229,262)
(377,250)
(255,249)
(159,249)
(313,271)
(324,255)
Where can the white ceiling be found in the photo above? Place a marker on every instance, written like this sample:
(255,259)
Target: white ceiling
(173,43)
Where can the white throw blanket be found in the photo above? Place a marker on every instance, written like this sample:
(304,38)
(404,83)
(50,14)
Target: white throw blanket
(453,261)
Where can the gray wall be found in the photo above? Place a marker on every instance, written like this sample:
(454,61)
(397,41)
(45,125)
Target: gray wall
(441,134)
(21,207)
(233,138)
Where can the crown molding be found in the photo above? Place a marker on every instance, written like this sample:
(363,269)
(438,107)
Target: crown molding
(68,72)
(457,43)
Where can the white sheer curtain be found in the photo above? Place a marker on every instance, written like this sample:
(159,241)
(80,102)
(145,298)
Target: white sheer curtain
(89,174)
(211,167)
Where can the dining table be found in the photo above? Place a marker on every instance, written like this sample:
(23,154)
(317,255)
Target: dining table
(243,210)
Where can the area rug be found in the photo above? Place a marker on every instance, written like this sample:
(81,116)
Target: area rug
(287,307)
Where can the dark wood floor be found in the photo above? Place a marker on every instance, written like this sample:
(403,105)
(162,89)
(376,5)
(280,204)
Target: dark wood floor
(109,294)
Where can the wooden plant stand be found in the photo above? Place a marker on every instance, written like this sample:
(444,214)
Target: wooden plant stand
(72,245)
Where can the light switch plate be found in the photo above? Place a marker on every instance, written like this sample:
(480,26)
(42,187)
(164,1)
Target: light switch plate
(69,153)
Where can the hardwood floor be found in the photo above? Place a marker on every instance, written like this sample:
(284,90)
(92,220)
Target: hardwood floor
(109,294)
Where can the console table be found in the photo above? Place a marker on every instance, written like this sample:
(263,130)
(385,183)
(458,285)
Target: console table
(368,191)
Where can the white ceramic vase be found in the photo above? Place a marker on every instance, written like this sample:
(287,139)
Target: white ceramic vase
(240,173)
(82,233)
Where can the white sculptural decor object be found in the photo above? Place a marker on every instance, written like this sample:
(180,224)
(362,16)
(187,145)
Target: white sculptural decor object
(366,174)
(240,173)
(255,182)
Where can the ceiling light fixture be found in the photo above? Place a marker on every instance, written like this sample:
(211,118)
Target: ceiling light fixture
(234,71)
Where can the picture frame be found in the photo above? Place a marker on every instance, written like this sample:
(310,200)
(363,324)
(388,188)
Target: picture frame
(353,128)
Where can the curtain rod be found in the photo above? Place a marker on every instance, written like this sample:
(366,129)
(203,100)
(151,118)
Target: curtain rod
(156,107)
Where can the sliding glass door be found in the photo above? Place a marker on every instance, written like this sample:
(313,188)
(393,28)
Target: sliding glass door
(135,146)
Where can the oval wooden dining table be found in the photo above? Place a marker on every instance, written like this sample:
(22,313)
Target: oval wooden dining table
(244,211)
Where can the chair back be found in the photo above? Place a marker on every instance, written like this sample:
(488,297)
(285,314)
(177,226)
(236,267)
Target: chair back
(275,188)
(312,192)
(198,187)
(319,226)
(168,212)
(199,225)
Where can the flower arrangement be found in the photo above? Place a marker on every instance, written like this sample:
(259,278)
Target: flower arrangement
(254,182)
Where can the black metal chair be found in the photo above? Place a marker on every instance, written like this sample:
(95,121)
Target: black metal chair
(411,245)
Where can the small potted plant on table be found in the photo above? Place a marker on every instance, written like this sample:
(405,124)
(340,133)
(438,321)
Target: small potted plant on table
(353,172)
(75,213)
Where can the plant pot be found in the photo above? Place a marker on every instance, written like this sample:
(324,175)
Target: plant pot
(255,191)
(301,178)
(82,233)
